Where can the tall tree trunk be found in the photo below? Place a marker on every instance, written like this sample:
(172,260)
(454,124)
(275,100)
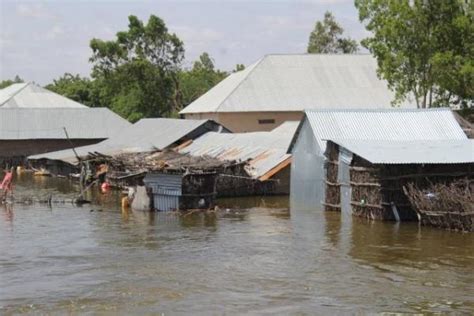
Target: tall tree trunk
(431,97)
(424,99)
(177,97)
(415,92)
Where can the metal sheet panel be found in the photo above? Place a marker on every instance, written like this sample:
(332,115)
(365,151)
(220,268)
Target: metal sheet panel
(412,152)
(145,135)
(263,150)
(299,82)
(81,123)
(344,178)
(308,173)
(384,124)
(31,95)
(166,189)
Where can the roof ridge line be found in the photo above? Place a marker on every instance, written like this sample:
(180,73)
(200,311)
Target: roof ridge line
(394,109)
(240,83)
(16,92)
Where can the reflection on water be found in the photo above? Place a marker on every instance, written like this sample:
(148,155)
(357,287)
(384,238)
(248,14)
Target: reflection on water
(257,258)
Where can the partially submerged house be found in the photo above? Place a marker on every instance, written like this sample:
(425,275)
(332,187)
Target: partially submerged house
(369,178)
(34,120)
(308,171)
(222,165)
(267,163)
(278,88)
(144,136)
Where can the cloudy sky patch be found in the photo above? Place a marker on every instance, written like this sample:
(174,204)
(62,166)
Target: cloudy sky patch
(41,40)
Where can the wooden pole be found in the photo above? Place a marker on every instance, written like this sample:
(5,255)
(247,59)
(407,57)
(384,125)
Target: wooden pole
(72,145)
(81,180)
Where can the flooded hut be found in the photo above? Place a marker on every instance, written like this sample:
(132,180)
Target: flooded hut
(34,120)
(369,178)
(147,135)
(309,164)
(264,167)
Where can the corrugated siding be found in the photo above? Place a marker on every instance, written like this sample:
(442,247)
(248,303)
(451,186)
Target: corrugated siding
(384,124)
(308,174)
(409,152)
(299,82)
(81,123)
(166,188)
(263,150)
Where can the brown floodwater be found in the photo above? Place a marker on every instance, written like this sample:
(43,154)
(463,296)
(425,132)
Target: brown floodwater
(259,259)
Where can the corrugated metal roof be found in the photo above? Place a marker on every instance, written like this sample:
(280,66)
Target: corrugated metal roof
(411,152)
(298,82)
(265,150)
(81,123)
(384,124)
(31,95)
(145,135)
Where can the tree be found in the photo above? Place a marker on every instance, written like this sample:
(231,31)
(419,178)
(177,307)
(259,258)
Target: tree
(424,49)
(8,82)
(239,67)
(76,88)
(326,38)
(199,79)
(137,74)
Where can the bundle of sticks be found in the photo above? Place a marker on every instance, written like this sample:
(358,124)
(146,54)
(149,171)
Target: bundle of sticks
(443,205)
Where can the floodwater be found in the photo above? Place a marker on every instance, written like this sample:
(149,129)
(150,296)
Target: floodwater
(257,260)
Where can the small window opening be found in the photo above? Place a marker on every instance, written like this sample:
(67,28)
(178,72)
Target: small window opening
(266,121)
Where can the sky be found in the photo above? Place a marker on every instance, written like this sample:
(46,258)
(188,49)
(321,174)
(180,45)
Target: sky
(42,40)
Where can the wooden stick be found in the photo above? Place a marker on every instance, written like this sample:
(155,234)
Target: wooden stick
(364,184)
(366,205)
(72,145)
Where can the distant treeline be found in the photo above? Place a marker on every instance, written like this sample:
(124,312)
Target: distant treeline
(424,49)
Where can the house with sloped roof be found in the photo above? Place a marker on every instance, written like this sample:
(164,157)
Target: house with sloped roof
(30,95)
(377,135)
(278,88)
(379,179)
(34,120)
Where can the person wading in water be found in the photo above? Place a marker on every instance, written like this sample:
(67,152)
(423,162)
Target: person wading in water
(6,186)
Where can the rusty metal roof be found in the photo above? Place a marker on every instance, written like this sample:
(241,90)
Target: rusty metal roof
(263,150)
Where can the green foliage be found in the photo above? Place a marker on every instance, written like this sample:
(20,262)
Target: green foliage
(137,74)
(423,48)
(76,88)
(239,67)
(8,82)
(199,79)
(326,38)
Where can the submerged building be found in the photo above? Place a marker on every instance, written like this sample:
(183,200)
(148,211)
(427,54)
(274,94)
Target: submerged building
(278,88)
(145,135)
(371,178)
(264,154)
(34,120)
(310,165)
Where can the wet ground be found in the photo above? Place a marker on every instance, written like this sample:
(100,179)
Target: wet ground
(262,259)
